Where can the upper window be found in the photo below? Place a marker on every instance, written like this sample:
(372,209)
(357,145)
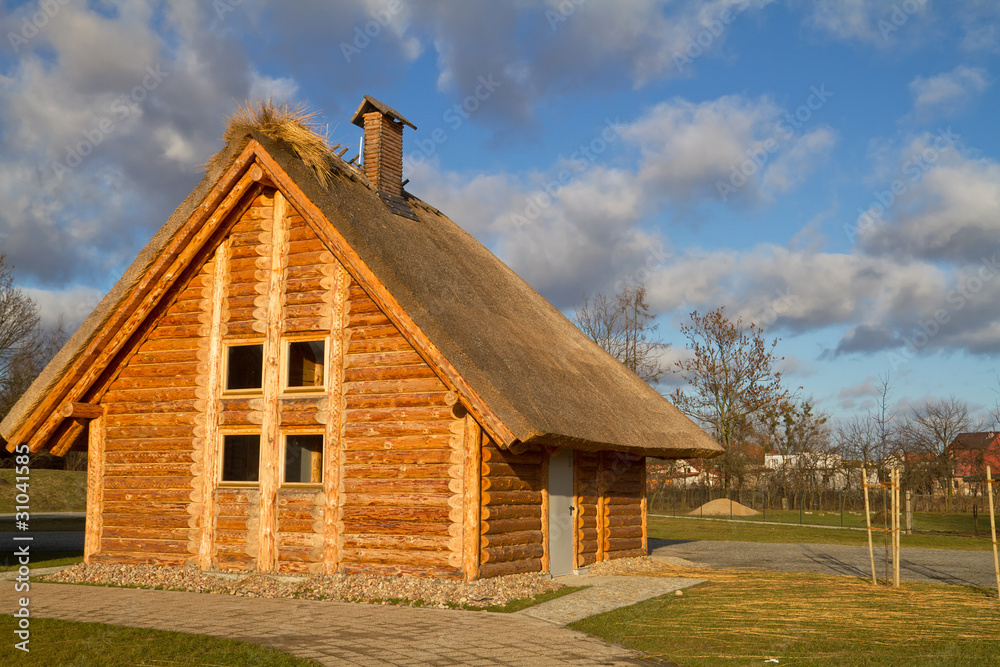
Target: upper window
(240,458)
(244,367)
(304,458)
(306,364)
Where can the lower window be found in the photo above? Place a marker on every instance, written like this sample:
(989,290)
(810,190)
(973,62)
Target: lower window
(304,458)
(240,458)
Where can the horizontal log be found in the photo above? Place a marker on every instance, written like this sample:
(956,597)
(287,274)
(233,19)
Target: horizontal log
(296,525)
(293,540)
(180,319)
(392,557)
(398,471)
(289,555)
(186,331)
(587,546)
(375,486)
(436,399)
(628,490)
(488,570)
(156,358)
(367,429)
(497,484)
(174,560)
(152,521)
(363,305)
(306,271)
(179,482)
(307,311)
(144,547)
(401,414)
(304,240)
(165,408)
(144,533)
(498,526)
(503,469)
(368,319)
(624,520)
(134,508)
(231,523)
(150,346)
(384,373)
(157,382)
(586,534)
(512,498)
(243,327)
(634,508)
(402,570)
(378,514)
(148,432)
(380,359)
(148,469)
(396,500)
(123,395)
(149,445)
(226,494)
(304,404)
(413,528)
(588,520)
(585,559)
(398,457)
(233,538)
(306,285)
(622,544)
(626,553)
(294,299)
(151,420)
(623,532)
(398,442)
(420,385)
(373,332)
(397,542)
(361,345)
(148,495)
(286,567)
(82,411)
(240,418)
(308,418)
(511,539)
(512,553)
(498,512)
(530,457)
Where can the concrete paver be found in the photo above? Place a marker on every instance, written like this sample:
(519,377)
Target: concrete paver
(337,633)
(606,593)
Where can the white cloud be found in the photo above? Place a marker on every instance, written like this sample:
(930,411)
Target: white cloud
(875,22)
(945,94)
(68,307)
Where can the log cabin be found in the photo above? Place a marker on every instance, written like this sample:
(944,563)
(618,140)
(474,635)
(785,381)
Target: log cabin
(310,370)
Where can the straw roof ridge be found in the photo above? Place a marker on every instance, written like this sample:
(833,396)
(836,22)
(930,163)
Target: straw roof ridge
(281,121)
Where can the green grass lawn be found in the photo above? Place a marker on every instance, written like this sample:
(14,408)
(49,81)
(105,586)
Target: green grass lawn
(739,531)
(744,618)
(49,490)
(67,643)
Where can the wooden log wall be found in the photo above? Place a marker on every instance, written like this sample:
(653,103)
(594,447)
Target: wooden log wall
(401,508)
(511,520)
(622,477)
(153,440)
(589,515)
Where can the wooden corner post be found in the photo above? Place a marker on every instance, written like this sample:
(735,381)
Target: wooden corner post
(95,488)
(472,484)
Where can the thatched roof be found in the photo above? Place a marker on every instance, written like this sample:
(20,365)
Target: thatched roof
(538,373)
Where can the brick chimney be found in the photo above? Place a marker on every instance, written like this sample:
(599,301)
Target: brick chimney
(383,154)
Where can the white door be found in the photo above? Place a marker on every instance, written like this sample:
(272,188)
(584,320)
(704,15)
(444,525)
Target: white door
(561,513)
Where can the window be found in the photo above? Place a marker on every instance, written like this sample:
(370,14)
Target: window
(240,457)
(304,458)
(244,367)
(305,364)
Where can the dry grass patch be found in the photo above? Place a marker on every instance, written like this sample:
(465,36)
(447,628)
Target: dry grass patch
(745,618)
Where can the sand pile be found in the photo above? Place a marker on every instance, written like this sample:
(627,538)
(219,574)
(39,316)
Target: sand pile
(721,507)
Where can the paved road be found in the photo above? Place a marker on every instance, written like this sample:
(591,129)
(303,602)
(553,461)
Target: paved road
(334,633)
(51,540)
(969,568)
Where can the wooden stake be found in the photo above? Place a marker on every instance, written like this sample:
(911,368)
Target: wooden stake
(895,527)
(868,523)
(993,527)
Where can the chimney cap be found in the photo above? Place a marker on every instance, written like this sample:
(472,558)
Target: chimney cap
(370,104)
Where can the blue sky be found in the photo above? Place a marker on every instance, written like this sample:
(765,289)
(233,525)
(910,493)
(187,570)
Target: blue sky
(828,169)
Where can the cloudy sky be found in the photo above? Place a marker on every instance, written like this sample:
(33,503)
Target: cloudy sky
(827,168)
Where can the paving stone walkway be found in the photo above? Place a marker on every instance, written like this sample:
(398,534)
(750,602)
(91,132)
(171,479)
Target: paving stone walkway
(605,594)
(341,633)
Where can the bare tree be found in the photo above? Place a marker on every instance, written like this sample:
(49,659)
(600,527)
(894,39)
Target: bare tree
(622,325)
(924,439)
(733,383)
(18,319)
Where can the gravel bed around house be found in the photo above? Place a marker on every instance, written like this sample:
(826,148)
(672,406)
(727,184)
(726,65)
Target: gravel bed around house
(642,565)
(349,587)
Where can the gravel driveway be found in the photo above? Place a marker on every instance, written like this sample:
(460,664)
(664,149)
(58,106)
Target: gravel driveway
(969,568)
